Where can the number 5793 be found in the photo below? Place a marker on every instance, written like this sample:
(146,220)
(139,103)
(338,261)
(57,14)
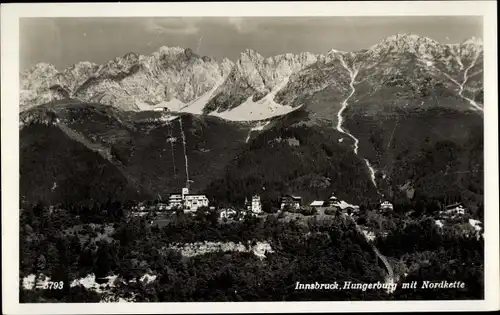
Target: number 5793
(53,285)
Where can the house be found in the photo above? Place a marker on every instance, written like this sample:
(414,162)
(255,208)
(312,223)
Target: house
(227,213)
(190,202)
(458,206)
(294,202)
(386,205)
(317,203)
(193,201)
(176,201)
(454,209)
(255,206)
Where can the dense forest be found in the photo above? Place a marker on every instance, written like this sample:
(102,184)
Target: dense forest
(436,153)
(54,169)
(431,254)
(58,244)
(304,160)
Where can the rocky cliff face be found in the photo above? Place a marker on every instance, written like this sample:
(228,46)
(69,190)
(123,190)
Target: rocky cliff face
(256,88)
(35,85)
(131,82)
(255,76)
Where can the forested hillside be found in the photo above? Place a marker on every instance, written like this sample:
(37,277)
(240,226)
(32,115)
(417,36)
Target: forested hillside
(56,169)
(436,153)
(300,159)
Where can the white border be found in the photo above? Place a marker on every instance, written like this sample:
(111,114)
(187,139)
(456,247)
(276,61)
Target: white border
(10,14)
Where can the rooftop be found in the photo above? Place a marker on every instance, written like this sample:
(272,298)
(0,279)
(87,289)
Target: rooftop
(291,196)
(317,203)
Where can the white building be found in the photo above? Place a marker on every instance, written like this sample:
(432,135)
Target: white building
(255,206)
(192,202)
(386,205)
(456,209)
(176,201)
(293,202)
(187,201)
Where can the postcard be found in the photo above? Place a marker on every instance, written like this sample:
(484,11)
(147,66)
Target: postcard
(249,157)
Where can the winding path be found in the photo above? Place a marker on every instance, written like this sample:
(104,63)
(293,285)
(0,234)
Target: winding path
(185,150)
(352,74)
(170,139)
(390,272)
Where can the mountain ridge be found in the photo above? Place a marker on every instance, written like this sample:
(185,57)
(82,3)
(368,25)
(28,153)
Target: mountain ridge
(472,40)
(180,79)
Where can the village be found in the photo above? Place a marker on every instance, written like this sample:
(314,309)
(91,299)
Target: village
(189,203)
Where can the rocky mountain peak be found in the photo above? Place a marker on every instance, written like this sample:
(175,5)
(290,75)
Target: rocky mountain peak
(179,78)
(406,43)
(171,51)
(473,41)
(409,38)
(40,67)
(250,55)
(131,57)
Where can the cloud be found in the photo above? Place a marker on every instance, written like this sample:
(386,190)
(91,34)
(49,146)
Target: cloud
(172,26)
(243,25)
(193,25)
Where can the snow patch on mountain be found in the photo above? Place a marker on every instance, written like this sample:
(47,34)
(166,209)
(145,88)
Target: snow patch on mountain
(196,106)
(264,108)
(250,110)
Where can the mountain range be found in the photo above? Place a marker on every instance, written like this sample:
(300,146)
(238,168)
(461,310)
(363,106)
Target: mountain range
(254,87)
(404,115)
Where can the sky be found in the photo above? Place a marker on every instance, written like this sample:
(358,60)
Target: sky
(65,41)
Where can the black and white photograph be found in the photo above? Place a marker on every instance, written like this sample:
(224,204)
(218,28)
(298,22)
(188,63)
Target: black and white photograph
(264,158)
